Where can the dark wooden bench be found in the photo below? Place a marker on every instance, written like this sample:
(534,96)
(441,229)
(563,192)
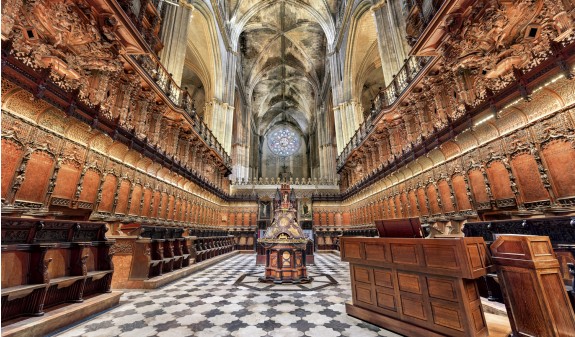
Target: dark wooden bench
(212,246)
(159,250)
(50,262)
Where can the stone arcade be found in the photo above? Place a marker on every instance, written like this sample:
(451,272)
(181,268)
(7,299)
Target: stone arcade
(144,143)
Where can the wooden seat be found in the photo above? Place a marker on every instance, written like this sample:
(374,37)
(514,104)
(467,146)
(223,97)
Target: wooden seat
(20,291)
(50,262)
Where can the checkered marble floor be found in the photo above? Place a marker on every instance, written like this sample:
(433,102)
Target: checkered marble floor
(209,304)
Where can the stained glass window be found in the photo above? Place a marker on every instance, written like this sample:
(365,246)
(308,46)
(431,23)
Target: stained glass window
(283,142)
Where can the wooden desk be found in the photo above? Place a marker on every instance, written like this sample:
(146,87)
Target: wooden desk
(418,287)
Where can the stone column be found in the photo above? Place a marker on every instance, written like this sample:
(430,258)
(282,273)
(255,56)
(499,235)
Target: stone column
(174,36)
(393,47)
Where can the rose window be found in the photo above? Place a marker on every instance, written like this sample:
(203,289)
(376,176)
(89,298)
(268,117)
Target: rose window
(283,142)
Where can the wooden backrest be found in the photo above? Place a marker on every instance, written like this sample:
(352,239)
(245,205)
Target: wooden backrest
(14,267)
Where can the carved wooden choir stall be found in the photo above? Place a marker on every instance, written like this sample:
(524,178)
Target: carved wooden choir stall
(284,242)
(46,263)
(151,256)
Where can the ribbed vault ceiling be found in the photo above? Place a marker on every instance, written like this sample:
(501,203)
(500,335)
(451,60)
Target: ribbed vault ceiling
(283,54)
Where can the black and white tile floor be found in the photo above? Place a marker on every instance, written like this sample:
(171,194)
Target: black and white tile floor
(210,304)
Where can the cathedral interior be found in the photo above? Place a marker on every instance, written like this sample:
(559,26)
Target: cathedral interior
(288,168)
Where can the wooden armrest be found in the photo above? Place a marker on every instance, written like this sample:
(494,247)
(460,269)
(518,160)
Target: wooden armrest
(155,262)
(21,291)
(65,281)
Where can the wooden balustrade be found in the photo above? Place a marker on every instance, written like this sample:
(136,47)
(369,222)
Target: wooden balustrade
(46,263)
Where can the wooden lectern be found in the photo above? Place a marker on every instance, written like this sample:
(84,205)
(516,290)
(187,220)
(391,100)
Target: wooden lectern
(532,286)
(417,287)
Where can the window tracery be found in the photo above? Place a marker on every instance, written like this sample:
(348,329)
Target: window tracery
(283,142)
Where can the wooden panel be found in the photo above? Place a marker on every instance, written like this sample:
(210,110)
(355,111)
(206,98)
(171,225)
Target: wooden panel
(386,300)
(375,252)
(442,288)
(108,191)
(170,210)
(477,318)
(446,316)
(147,199)
(499,181)
(66,182)
(476,255)
(14,268)
(413,308)
(38,173)
(443,257)
(413,203)
(515,283)
(471,290)
(409,282)
(399,210)
(123,195)
(352,250)
(528,178)
(392,208)
(361,274)
(404,253)
(90,187)
(331,219)
(92,253)
(163,211)
(135,204)
(363,293)
(553,285)
(60,261)
(386,213)
(11,156)
(422,201)
(406,211)
(432,197)
(542,249)
(156,206)
(383,278)
(478,187)
(460,191)
(558,155)
(445,194)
